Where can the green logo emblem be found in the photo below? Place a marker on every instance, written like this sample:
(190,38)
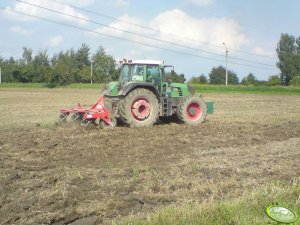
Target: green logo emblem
(281,214)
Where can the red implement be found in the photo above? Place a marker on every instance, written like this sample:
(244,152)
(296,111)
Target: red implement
(97,111)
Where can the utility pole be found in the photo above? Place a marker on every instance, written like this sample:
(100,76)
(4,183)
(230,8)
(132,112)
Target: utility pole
(91,71)
(226,82)
(0,75)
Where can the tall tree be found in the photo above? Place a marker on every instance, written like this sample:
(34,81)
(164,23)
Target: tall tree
(218,76)
(27,55)
(288,51)
(104,66)
(41,66)
(62,70)
(82,56)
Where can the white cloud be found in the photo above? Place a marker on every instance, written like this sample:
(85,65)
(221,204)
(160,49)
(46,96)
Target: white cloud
(263,52)
(21,31)
(177,27)
(121,3)
(36,11)
(54,41)
(185,28)
(125,22)
(200,2)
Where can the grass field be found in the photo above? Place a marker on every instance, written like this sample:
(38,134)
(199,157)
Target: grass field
(245,210)
(248,89)
(226,171)
(279,90)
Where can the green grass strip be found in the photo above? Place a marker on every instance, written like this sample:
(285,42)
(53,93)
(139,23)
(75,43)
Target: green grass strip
(246,210)
(43,85)
(290,90)
(222,89)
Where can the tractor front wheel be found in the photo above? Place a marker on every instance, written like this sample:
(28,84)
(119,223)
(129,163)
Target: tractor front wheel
(192,110)
(139,108)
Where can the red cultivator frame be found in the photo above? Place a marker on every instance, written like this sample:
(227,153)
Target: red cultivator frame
(86,116)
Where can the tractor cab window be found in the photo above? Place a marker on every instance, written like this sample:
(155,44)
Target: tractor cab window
(131,72)
(125,73)
(138,73)
(153,74)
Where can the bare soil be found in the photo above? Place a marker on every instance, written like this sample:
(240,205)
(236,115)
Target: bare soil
(75,175)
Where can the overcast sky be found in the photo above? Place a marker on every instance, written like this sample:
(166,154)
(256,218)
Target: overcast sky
(191,32)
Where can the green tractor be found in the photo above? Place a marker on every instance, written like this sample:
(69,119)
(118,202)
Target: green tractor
(143,95)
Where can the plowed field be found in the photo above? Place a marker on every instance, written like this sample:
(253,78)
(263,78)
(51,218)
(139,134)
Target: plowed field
(69,174)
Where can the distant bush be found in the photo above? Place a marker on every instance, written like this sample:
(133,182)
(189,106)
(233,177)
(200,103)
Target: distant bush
(295,81)
(274,80)
(199,80)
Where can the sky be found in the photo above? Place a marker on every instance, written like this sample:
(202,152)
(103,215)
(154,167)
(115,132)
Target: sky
(188,34)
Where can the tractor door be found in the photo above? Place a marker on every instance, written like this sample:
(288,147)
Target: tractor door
(166,84)
(153,76)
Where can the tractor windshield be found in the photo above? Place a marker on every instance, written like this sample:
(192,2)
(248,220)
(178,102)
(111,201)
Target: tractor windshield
(132,72)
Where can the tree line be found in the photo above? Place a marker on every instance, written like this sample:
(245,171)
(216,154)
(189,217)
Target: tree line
(70,66)
(288,52)
(74,66)
(217,77)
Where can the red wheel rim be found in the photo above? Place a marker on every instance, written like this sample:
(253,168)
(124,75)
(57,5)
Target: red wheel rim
(193,111)
(140,109)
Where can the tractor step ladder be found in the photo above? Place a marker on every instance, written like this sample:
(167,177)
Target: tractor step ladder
(167,107)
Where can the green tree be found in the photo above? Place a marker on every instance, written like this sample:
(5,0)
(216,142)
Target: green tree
(194,80)
(250,79)
(63,68)
(199,80)
(61,73)
(81,56)
(41,66)
(174,77)
(288,51)
(104,66)
(203,79)
(7,67)
(274,80)
(27,55)
(218,76)
(69,67)
(295,80)
(23,73)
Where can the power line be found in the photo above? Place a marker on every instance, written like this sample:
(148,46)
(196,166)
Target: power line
(158,31)
(127,40)
(141,35)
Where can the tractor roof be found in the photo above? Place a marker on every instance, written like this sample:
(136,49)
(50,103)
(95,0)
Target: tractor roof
(144,62)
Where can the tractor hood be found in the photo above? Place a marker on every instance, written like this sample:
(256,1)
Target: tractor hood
(179,90)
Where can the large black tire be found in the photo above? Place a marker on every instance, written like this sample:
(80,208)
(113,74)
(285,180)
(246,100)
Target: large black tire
(192,111)
(139,108)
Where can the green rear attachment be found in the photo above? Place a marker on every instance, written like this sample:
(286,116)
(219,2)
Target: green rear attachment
(210,107)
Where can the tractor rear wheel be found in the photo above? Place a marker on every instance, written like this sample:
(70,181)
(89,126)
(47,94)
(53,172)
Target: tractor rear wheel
(139,108)
(192,111)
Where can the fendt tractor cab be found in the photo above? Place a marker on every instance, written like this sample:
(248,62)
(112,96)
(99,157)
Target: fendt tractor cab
(143,95)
